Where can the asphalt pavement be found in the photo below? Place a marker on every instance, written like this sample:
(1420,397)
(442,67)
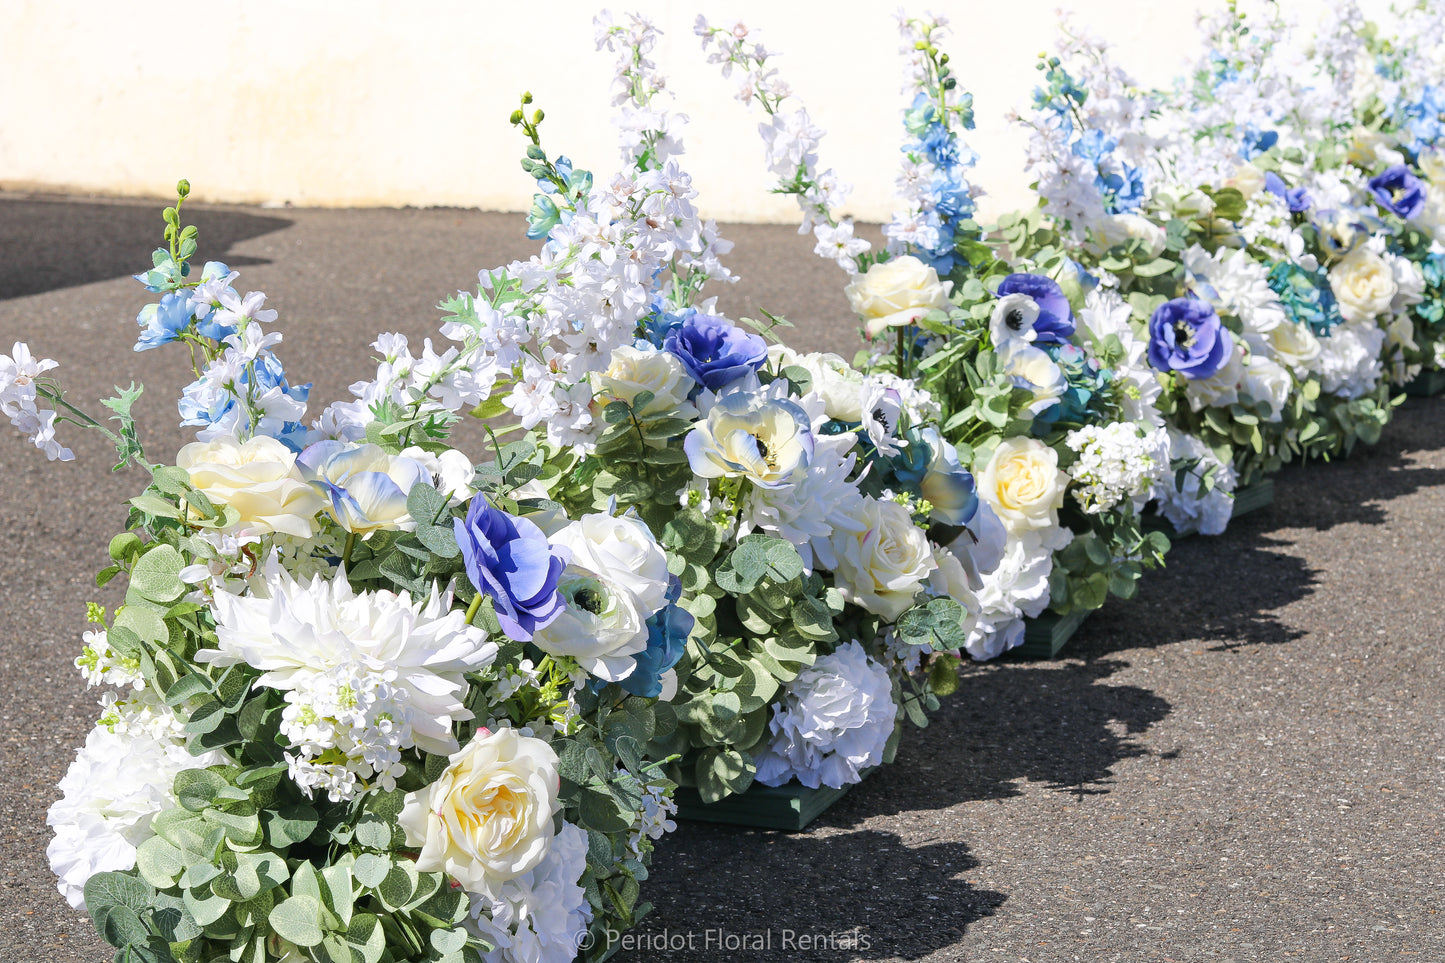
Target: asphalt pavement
(1245,762)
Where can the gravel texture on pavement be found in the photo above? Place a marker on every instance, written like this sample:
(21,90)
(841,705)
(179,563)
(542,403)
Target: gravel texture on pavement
(1242,763)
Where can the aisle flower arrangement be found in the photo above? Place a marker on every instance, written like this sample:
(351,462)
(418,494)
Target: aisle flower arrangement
(1053,409)
(393,703)
(372,697)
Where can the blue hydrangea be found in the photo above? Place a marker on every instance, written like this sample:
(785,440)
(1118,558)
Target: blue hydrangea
(1306,295)
(1088,387)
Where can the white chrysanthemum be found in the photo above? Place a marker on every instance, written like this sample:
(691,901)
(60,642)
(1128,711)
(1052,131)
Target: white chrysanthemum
(1238,285)
(832,722)
(1192,508)
(806,513)
(1017,588)
(542,915)
(366,675)
(120,778)
(1349,362)
(1117,461)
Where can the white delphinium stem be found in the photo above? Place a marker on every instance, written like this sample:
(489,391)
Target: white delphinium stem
(789,137)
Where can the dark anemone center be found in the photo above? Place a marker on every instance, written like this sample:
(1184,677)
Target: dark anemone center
(589,600)
(1014,318)
(881,417)
(1183,334)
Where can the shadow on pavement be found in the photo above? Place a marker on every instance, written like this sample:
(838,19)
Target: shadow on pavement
(1053,724)
(857,895)
(46,245)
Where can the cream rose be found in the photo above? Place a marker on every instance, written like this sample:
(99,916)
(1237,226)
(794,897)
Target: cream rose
(882,567)
(1023,484)
(259,479)
(1363,285)
(1121,228)
(1293,345)
(488,818)
(896,293)
(634,371)
(1432,164)
(836,382)
(1247,179)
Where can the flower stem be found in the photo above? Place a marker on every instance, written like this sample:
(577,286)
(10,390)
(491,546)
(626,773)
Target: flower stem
(346,552)
(472,609)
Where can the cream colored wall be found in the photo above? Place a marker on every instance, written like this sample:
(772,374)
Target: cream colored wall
(326,103)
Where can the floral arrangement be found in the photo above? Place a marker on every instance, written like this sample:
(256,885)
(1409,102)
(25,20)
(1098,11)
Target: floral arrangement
(376,698)
(347,709)
(1052,410)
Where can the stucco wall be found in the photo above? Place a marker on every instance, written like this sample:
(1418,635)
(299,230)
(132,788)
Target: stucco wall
(371,103)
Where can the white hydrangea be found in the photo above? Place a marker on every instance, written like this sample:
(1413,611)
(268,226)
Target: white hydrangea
(1116,462)
(540,916)
(820,501)
(366,675)
(1105,314)
(1349,363)
(1016,589)
(1192,507)
(120,778)
(831,723)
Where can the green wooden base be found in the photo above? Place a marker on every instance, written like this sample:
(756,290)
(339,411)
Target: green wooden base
(1251,498)
(1047,634)
(790,807)
(1426,384)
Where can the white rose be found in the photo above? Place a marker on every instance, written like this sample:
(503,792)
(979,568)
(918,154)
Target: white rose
(882,567)
(896,293)
(837,382)
(259,479)
(1409,282)
(1220,388)
(1363,285)
(1122,228)
(1266,381)
(1431,162)
(1247,179)
(1432,218)
(1293,345)
(634,371)
(488,818)
(1370,148)
(1023,484)
(624,549)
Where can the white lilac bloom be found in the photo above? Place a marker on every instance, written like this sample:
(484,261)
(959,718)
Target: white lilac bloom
(364,488)
(542,915)
(831,723)
(1017,588)
(120,778)
(18,393)
(1196,507)
(366,675)
(102,665)
(1117,462)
